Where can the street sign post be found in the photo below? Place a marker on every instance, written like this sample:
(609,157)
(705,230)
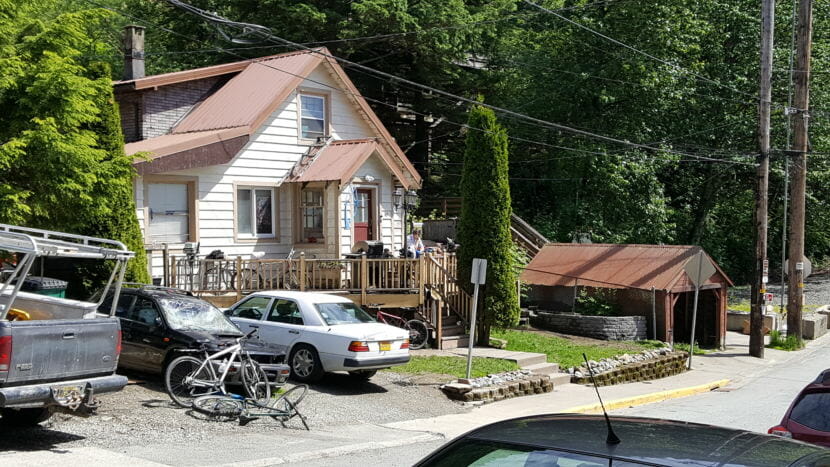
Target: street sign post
(699,269)
(478,277)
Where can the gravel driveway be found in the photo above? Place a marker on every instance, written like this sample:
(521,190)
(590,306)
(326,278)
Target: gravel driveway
(142,413)
(816,290)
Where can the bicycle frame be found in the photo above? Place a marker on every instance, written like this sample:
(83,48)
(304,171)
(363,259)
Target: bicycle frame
(218,382)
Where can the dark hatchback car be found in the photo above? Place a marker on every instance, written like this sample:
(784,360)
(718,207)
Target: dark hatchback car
(808,418)
(156,322)
(569,440)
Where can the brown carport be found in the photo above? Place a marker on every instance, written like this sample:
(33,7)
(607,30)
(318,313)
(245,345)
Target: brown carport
(638,272)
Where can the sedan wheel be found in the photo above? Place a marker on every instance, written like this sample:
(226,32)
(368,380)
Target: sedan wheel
(305,364)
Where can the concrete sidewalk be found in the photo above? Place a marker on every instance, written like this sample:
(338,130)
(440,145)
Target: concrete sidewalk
(730,367)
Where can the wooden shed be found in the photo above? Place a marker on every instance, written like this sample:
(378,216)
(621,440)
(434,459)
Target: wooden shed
(640,274)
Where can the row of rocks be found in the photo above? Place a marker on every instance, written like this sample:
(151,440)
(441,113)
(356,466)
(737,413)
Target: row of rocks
(609,364)
(521,383)
(498,378)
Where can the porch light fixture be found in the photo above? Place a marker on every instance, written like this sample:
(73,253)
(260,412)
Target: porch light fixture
(369,178)
(411,199)
(398,197)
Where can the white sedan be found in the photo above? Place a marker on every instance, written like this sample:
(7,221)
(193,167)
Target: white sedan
(321,333)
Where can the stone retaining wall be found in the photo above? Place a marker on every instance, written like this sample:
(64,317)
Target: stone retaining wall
(598,327)
(668,365)
(533,384)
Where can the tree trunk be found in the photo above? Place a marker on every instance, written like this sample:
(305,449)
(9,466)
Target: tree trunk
(704,207)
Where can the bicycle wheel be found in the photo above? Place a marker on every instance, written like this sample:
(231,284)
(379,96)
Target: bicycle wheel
(180,376)
(255,381)
(249,280)
(288,402)
(418,334)
(219,407)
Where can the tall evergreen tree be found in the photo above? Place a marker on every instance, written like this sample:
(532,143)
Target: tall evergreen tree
(62,163)
(484,227)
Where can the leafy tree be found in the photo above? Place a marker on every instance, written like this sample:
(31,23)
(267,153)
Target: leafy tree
(62,165)
(484,227)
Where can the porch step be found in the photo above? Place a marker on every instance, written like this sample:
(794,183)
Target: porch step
(527,359)
(455,342)
(558,379)
(453,330)
(542,368)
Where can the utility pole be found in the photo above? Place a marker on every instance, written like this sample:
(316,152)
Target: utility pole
(759,286)
(798,187)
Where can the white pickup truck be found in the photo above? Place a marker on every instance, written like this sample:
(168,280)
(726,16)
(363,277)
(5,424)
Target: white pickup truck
(56,354)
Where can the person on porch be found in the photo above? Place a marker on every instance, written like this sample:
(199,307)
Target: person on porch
(414,245)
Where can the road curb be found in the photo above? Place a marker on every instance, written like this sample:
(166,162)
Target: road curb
(648,398)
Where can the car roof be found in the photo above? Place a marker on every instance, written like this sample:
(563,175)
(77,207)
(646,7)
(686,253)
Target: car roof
(311,297)
(664,442)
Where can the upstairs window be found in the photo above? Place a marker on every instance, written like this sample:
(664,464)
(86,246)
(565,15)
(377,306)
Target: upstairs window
(312,116)
(255,212)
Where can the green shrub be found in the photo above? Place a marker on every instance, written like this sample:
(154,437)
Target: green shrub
(776,341)
(596,302)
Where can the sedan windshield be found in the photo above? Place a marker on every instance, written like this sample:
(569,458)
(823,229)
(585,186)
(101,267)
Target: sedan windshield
(343,313)
(188,314)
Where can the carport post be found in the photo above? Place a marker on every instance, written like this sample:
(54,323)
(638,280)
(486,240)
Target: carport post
(694,308)
(653,314)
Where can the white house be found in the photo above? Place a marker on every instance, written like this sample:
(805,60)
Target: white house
(262,156)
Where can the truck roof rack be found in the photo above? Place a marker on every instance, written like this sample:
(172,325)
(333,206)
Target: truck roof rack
(49,243)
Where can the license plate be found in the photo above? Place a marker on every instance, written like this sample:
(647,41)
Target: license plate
(384,346)
(67,392)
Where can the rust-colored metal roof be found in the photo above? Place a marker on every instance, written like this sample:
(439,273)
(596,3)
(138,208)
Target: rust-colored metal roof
(249,97)
(616,266)
(338,161)
(165,145)
(246,100)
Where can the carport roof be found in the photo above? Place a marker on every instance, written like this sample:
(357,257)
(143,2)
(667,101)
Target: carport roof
(616,266)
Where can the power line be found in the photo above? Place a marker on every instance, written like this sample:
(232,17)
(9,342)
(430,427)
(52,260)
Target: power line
(338,89)
(261,31)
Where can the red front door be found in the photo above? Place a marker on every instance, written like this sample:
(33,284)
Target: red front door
(363,215)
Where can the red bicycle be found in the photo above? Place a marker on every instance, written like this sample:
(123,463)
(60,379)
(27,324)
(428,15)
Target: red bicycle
(418,330)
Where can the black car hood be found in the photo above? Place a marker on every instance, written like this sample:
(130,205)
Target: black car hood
(216,342)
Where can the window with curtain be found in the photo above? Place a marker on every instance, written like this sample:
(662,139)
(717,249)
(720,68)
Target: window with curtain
(312,116)
(255,212)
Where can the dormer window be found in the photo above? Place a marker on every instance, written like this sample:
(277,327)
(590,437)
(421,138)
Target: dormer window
(312,116)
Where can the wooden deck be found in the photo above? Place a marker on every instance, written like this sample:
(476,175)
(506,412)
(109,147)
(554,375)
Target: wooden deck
(428,284)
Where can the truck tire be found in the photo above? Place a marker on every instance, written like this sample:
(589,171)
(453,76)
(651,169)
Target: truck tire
(24,417)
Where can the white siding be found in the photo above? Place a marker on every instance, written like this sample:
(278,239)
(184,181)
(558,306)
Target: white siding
(267,158)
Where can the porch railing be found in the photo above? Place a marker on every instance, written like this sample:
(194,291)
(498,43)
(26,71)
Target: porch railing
(360,275)
(442,279)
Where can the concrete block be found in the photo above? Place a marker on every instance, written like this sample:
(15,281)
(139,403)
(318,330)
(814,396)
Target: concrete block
(814,326)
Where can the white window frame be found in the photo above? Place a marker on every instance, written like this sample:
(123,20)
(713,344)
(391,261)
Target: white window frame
(301,117)
(254,235)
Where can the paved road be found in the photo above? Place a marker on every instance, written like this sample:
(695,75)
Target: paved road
(755,403)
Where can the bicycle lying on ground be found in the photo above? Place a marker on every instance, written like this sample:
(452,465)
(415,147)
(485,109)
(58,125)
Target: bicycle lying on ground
(188,377)
(228,407)
(418,330)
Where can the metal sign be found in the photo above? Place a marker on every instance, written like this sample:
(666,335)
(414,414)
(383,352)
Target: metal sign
(479,274)
(768,297)
(478,277)
(806,267)
(699,268)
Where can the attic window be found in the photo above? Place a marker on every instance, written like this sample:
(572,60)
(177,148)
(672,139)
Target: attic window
(312,116)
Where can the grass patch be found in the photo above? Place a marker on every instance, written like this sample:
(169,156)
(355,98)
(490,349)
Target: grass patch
(685,347)
(454,366)
(563,351)
(783,343)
